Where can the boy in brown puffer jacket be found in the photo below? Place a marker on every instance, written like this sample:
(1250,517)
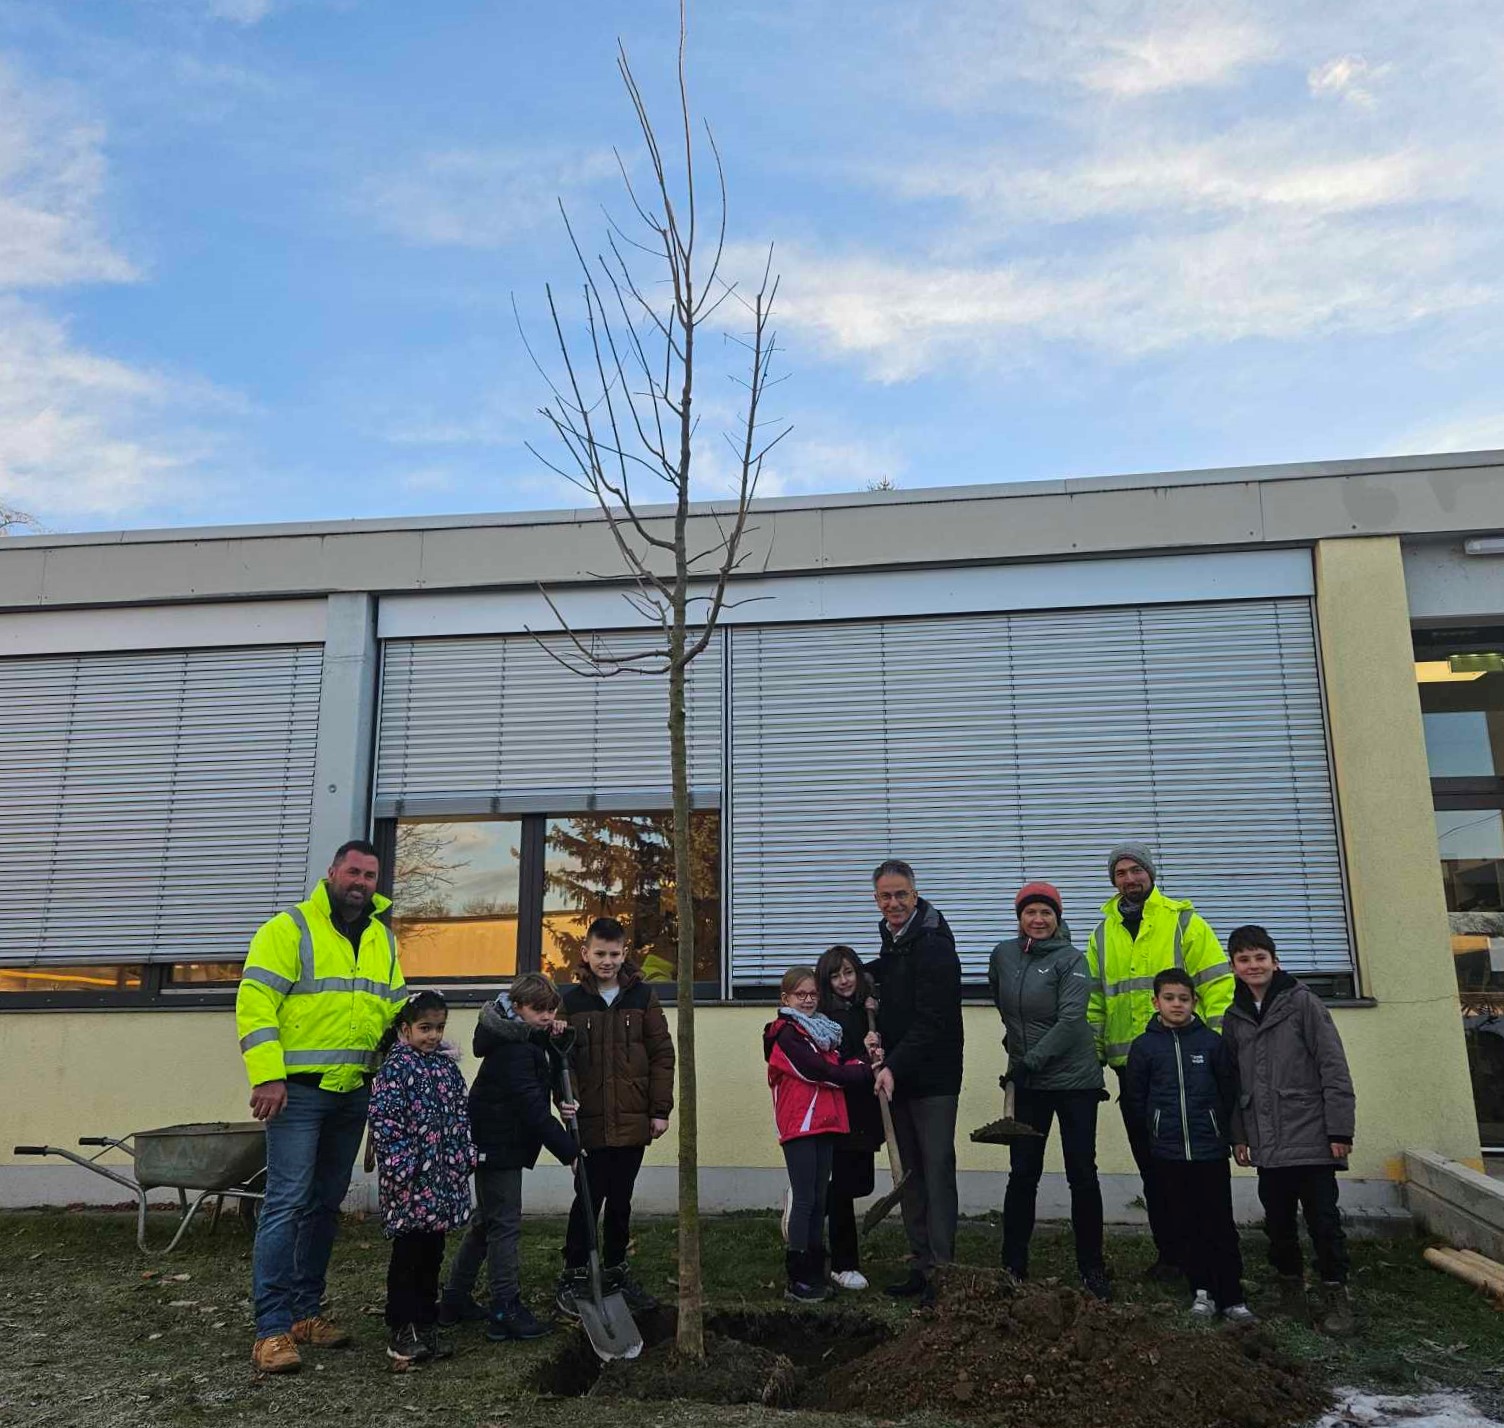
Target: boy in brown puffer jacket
(624,1081)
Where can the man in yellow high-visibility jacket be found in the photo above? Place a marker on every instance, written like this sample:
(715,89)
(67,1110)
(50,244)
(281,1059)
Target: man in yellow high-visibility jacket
(320,986)
(1143,932)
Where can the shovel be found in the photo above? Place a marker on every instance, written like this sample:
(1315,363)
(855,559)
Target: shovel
(1010,1128)
(877,1212)
(605,1318)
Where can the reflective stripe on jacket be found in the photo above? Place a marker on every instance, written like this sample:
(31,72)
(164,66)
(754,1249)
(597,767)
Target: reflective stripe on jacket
(1122,990)
(309,1003)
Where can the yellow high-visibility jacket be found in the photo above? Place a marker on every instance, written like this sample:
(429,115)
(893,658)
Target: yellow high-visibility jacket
(308,1003)
(1122,984)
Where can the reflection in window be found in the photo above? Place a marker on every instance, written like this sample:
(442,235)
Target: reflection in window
(1462,705)
(454,894)
(622,866)
(203,974)
(70,979)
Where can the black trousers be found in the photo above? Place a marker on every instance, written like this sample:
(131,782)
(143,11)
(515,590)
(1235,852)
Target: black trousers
(851,1179)
(808,1159)
(1198,1194)
(1161,1224)
(1313,1189)
(611,1174)
(1077,1113)
(412,1279)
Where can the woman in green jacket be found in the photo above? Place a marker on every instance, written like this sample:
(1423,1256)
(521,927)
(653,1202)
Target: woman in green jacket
(1039,985)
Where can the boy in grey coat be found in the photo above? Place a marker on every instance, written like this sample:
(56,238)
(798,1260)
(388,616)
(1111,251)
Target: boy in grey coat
(1294,1119)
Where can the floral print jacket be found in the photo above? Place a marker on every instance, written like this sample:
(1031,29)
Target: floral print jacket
(420,1126)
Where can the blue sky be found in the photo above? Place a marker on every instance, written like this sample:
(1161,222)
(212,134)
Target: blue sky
(258,257)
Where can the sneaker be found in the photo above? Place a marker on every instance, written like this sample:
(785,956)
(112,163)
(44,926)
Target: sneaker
(1163,1272)
(618,1280)
(320,1333)
(1336,1310)
(276,1353)
(1202,1309)
(514,1320)
(571,1283)
(798,1292)
(1095,1283)
(851,1279)
(436,1342)
(1241,1315)
(462,1311)
(909,1288)
(406,1347)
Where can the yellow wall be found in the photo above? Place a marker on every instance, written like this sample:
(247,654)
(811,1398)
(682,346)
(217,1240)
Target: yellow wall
(80,1073)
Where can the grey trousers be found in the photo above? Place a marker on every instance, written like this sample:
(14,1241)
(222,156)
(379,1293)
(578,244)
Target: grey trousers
(491,1239)
(926,1130)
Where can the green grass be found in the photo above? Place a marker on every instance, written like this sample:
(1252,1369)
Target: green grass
(90,1341)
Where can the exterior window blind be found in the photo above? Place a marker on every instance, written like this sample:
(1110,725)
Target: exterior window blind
(157,805)
(496,723)
(991,749)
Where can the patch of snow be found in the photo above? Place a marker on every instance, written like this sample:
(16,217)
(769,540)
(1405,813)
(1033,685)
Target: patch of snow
(1416,1410)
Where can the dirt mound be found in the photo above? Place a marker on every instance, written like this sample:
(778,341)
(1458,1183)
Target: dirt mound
(1037,1356)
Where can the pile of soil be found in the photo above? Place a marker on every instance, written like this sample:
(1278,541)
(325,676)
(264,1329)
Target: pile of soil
(1037,1356)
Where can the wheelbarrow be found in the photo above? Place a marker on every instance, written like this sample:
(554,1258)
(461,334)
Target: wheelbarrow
(225,1159)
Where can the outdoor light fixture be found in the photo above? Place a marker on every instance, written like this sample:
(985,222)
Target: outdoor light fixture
(1483,545)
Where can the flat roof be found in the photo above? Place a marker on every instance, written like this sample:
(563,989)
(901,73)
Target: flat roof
(1077,517)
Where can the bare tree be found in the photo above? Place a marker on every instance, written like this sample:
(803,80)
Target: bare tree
(14,521)
(623,413)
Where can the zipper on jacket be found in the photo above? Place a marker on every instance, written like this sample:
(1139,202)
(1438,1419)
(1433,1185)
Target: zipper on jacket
(1185,1119)
(1215,1127)
(1023,1021)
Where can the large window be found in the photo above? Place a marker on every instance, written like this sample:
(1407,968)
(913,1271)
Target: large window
(478,900)
(1461,679)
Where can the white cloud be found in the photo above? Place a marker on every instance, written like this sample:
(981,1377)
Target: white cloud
(830,462)
(478,198)
(1461,431)
(81,434)
(1198,51)
(240,12)
(1348,77)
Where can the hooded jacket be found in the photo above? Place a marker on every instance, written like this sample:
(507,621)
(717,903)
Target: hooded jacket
(918,976)
(1040,989)
(623,1059)
(1296,1094)
(510,1113)
(1122,968)
(1181,1082)
(808,1084)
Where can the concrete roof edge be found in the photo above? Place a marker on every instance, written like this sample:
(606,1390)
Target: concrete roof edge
(924,495)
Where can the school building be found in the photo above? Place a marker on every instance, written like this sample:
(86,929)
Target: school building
(1289,680)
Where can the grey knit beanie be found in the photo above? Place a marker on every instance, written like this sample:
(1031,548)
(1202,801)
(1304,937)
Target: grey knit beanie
(1139,852)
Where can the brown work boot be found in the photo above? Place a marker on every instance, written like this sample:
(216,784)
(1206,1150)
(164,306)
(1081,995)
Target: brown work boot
(320,1333)
(1336,1310)
(1292,1298)
(276,1354)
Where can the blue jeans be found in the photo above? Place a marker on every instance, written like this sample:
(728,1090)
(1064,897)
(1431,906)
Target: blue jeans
(310,1154)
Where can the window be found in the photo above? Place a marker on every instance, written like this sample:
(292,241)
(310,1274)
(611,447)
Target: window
(1461,678)
(204,976)
(83,980)
(479,900)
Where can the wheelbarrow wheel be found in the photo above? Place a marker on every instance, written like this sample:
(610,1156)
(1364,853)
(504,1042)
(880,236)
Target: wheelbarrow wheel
(249,1212)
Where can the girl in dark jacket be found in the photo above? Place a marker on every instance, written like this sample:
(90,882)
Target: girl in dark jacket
(808,1077)
(846,998)
(1039,985)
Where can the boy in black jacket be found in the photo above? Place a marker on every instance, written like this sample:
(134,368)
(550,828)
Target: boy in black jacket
(511,1121)
(1181,1085)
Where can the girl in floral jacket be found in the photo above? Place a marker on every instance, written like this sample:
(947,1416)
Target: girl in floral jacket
(420,1135)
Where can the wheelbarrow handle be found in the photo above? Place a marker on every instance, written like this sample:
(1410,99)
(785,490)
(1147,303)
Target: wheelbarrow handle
(28,1150)
(95,1140)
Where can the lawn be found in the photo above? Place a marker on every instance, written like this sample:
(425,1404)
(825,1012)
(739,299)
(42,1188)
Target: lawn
(93,1340)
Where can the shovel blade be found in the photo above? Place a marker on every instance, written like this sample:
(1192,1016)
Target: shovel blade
(610,1327)
(878,1210)
(1004,1132)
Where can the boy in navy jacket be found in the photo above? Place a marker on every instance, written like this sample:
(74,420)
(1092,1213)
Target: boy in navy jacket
(1181,1084)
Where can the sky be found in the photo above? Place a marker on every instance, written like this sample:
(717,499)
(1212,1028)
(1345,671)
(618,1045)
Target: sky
(268,260)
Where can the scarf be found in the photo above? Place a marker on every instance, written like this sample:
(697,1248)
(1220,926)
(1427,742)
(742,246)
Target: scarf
(820,1029)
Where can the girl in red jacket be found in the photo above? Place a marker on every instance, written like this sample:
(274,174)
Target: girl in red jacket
(808,1079)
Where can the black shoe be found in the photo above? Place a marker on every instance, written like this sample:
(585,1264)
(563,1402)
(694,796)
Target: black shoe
(406,1346)
(618,1280)
(514,1320)
(1095,1282)
(460,1311)
(1163,1272)
(573,1283)
(436,1342)
(927,1295)
(908,1288)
